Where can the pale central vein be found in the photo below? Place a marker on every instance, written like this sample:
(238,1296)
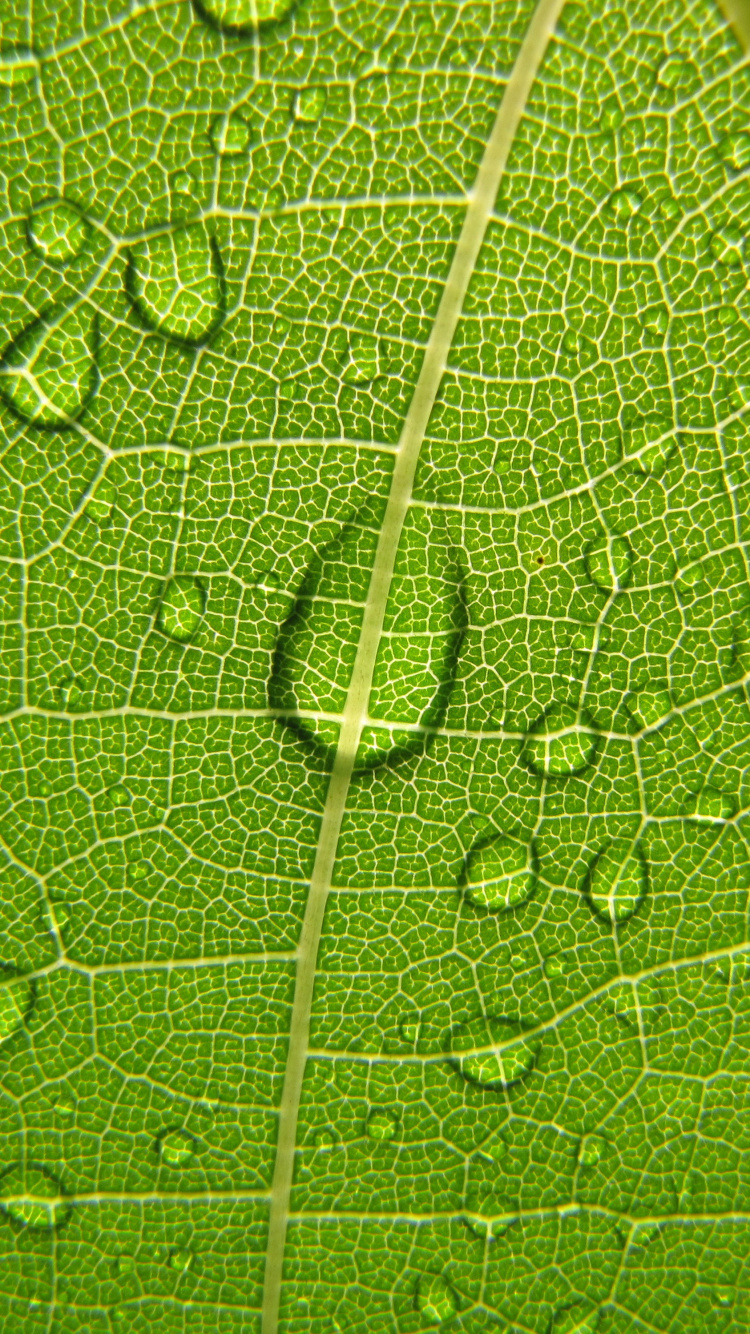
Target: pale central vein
(481,202)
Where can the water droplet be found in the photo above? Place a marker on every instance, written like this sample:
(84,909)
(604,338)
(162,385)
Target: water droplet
(44,789)
(139,870)
(609,563)
(560,744)
(624,204)
(735,151)
(126,1265)
(118,795)
(309,104)
(676,72)
(435,1299)
(726,316)
(561,965)
(17,65)
(363,364)
(592,1150)
(382,1125)
(409,1030)
(646,1233)
(176,1148)
(655,321)
(180,1259)
(49,374)
(57,231)
(498,1053)
(32,1197)
(16,1001)
(724,1296)
(712,805)
(238,16)
(182,608)
(580,1317)
(176,283)
(64,1109)
(183,183)
(726,247)
(650,708)
(500,875)
(230,135)
(618,882)
(612,114)
(324,1140)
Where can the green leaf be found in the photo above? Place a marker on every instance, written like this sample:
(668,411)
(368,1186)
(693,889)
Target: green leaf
(375,730)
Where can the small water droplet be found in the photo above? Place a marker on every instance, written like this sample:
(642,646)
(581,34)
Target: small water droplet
(724,1296)
(381,1125)
(560,965)
(409,1030)
(16,1001)
(32,1197)
(57,231)
(139,870)
(44,789)
(183,183)
(735,151)
(726,316)
(668,208)
(580,1317)
(617,882)
(500,875)
(181,609)
(17,65)
(655,321)
(646,1233)
(324,1140)
(64,1109)
(435,1299)
(241,16)
(498,1053)
(727,246)
(363,364)
(560,744)
(612,114)
(176,283)
(624,204)
(180,1259)
(48,373)
(650,708)
(230,135)
(126,1265)
(676,72)
(592,1150)
(309,104)
(715,806)
(176,1148)
(609,564)
(119,795)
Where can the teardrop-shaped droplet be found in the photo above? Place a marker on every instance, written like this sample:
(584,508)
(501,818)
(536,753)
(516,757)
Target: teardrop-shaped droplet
(609,564)
(240,16)
(363,364)
(650,708)
(381,1125)
(49,373)
(623,205)
(230,135)
(176,283)
(32,1197)
(727,247)
(176,1148)
(497,1054)
(16,1003)
(714,806)
(435,1299)
(735,151)
(592,1150)
(180,1259)
(182,608)
(500,874)
(17,65)
(618,882)
(309,104)
(561,743)
(57,231)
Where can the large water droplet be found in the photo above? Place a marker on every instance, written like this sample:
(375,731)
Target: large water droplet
(650,708)
(561,743)
(618,882)
(176,1148)
(592,1150)
(727,247)
(498,1054)
(309,104)
(623,205)
(230,135)
(176,283)
(180,1259)
(609,563)
(17,65)
(238,16)
(735,151)
(435,1299)
(381,1125)
(118,795)
(500,874)
(714,806)
(182,608)
(57,231)
(32,1197)
(49,374)
(363,364)
(16,1002)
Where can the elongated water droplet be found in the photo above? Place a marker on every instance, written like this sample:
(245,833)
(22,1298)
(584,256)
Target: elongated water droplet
(363,364)
(176,1148)
(309,104)
(381,1125)
(498,1055)
(592,1150)
(16,1003)
(230,135)
(618,882)
(500,875)
(17,65)
(180,1259)
(57,231)
(609,564)
(735,151)
(435,1299)
(727,247)
(714,806)
(49,374)
(32,1197)
(182,608)
(650,708)
(561,743)
(176,283)
(238,16)
(623,205)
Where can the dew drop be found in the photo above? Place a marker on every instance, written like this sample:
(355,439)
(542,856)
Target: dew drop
(363,364)
(655,321)
(499,875)
(381,1125)
(176,1148)
(309,104)
(180,1259)
(176,283)
(139,870)
(238,16)
(560,744)
(17,65)
(435,1299)
(498,1053)
(592,1150)
(714,806)
(580,1317)
(560,965)
(32,1197)
(624,204)
(726,247)
(64,1110)
(118,795)
(324,1140)
(676,72)
(16,1001)
(57,231)
(650,708)
(409,1031)
(182,608)
(617,883)
(182,183)
(723,1296)
(48,374)
(126,1265)
(609,564)
(735,151)
(230,135)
